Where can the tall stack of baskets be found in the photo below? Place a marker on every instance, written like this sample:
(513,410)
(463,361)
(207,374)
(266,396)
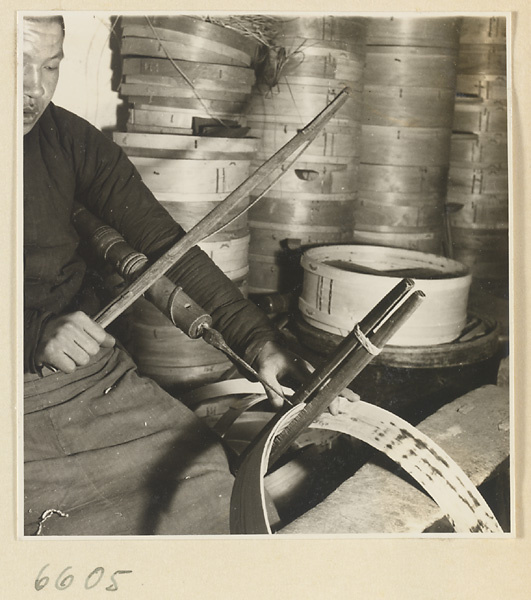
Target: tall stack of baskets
(408,104)
(188,83)
(478,179)
(310,61)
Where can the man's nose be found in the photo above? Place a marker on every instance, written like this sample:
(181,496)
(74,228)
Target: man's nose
(33,82)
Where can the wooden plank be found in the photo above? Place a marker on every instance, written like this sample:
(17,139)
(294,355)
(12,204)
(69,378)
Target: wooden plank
(473,430)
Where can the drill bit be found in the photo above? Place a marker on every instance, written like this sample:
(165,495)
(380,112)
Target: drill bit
(215,339)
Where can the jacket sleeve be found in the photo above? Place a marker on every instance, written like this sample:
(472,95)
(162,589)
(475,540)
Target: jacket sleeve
(34,320)
(110,186)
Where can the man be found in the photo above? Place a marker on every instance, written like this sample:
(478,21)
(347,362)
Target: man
(107,452)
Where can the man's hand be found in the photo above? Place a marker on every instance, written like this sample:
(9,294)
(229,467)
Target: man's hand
(275,363)
(68,341)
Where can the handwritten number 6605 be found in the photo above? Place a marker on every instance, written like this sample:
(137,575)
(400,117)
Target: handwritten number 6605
(64,580)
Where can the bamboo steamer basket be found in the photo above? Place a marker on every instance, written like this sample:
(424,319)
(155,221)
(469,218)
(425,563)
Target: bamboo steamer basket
(483,30)
(404,199)
(182,93)
(186,147)
(403,179)
(439,32)
(483,211)
(326,28)
(410,66)
(163,67)
(139,119)
(420,240)
(480,117)
(486,87)
(408,146)
(479,149)
(370,215)
(191,176)
(315,178)
(474,180)
(386,105)
(335,296)
(157,130)
(490,59)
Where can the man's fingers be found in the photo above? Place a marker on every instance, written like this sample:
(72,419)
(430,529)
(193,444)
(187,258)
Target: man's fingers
(95,331)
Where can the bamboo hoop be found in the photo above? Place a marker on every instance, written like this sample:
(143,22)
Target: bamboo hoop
(335,296)
(417,454)
(421,241)
(191,176)
(163,67)
(488,59)
(483,30)
(206,108)
(326,28)
(481,211)
(137,46)
(186,147)
(405,146)
(161,86)
(479,149)
(182,93)
(198,28)
(403,179)
(480,117)
(437,32)
(410,66)
(375,216)
(472,180)
(393,106)
(486,87)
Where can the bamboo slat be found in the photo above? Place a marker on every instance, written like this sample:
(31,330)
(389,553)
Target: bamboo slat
(182,88)
(335,296)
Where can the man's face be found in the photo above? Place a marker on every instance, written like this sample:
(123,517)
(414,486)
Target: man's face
(43,51)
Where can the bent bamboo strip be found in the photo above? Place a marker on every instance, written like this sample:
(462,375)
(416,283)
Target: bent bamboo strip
(415,452)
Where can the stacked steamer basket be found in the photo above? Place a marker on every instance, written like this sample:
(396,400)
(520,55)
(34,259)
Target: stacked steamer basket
(478,178)
(408,104)
(188,82)
(311,60)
